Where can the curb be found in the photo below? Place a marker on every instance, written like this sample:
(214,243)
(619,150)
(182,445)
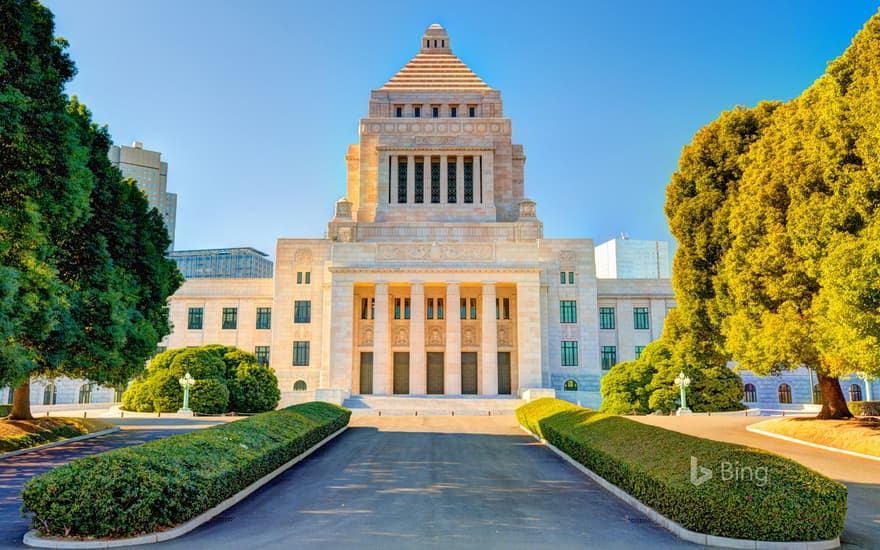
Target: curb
(31,538)
(811,444)
(676,528)
(60,442)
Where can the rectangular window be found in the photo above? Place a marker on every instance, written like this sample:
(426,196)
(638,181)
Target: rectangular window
(568,311)
(301,354)
(453,112)
(464,308)
(308,277)
(435,111)
(505,308)
(569,354)
(420,181)
(440,308)
(194,319)
(451,197)
(609,357)
(262,353)
(562,277)
(299,277)
(435,181)
(571,277)
(606,317)
(417,112)
(429,309)
(472,111)
(401,180)
(639,350)
(230,317)
(497,308)
(264,317)
(641,320)
(473,308)
(397,308)
(406,308)
(469,181)
(398,111)
(302,311)
(365,305)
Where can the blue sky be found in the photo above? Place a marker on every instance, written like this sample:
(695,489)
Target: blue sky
(253,104)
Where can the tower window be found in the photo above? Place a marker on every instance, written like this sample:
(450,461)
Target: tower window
(453,112)
(417,111)
(420,181)
(442,43)
(427,43)
(472,111)
(469,181)
(401,180)
(435,111)
(450,182)
(398,111)
(435,181)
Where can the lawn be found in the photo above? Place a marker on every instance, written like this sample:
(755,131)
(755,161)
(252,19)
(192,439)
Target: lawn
(860,435)
(21,434)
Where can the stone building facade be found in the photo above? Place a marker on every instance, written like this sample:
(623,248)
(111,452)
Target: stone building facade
(434,278)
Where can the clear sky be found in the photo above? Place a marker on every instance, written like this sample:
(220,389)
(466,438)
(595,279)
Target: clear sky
(253,104)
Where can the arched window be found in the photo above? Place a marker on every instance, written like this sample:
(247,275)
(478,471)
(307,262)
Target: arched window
(750,393)
(855,392)
(300,385)
(85,393)
(50,394)
(570,385)
(784,393)
(817,393)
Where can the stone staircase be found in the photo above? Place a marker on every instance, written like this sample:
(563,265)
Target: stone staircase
(433,405)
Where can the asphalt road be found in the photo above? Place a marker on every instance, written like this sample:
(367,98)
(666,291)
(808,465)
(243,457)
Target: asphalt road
(15,471)
(860,475)
(430,482)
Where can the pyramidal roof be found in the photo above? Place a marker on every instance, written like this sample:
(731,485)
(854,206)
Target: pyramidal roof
(435,68)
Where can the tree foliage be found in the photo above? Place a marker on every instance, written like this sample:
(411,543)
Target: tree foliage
(789,279)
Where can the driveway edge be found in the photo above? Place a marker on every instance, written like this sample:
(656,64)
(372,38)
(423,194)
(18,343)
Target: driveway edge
(677,529)
(60,442)
(811,444)
(31,538)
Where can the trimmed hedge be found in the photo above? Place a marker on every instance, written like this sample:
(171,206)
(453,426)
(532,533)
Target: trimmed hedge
(253,388)
(654,465)
(865,408)
(136,490)
(5,410)
(209,396)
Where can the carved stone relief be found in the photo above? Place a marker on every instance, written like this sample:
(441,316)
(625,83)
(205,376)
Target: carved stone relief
(367,336)
(435,336)
(567,257)
(435,252)
(401,336)
(468,338)
(503,336)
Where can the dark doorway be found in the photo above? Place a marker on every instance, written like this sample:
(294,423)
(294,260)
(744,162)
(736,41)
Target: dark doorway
(366,372)
(435,372)
(469,373)
(401,372)
(504,373)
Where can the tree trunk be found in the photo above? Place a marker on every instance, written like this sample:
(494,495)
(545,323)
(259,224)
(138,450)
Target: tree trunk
(21,403)
(833,403)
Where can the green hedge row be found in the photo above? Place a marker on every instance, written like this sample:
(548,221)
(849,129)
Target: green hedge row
(5,410)
(142,489)
(865,408)
(792,503)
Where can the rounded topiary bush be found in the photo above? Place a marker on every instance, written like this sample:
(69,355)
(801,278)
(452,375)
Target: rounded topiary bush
(253,389)
(209,396)
(165,391)
(163,360)
(234,358)
(137,397)
(199,362)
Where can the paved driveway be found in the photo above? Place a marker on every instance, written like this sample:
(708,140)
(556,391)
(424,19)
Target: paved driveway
(15,471)
(437,482)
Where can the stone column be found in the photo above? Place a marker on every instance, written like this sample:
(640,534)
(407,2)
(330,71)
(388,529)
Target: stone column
(452,356)
(341,339)
(459,179)
(410,179)
(394,160)
(418,375)
(489,345)
(528,334)
(444,187)
(380,341)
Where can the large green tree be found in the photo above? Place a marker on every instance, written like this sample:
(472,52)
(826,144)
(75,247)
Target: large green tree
(84,275)
(795,277)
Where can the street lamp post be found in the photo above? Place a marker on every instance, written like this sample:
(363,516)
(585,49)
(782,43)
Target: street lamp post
(682,382)
(187,382)
(867,378)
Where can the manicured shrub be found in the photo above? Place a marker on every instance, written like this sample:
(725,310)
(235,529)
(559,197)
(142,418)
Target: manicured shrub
(141,489)
(209,396)
(232,359)
(199,362)
(138,397)
(865,408)
(254,388)
(163,360)
(5,410)
(165,391)
(752,494)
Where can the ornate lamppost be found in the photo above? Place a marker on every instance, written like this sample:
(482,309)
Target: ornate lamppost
(187,382)
(867,378)
(682,382)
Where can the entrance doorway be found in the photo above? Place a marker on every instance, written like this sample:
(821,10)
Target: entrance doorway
(469,373)
(366,385)
(401,372)
(504,373)
(435,372)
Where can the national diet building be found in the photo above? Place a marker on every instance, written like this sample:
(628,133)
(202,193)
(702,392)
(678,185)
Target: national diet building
(434,277)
